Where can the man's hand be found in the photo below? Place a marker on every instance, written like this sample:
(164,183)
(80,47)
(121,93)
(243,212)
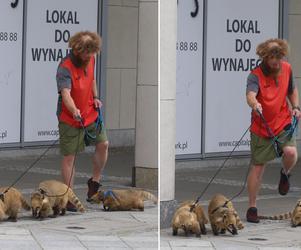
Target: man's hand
(296,112)
(257,107)
(76,115)
(97,103)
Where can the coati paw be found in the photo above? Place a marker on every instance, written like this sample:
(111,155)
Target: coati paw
(234,231)
(106,208)
(203,230)
(214,230)
(215,233)
(12,219)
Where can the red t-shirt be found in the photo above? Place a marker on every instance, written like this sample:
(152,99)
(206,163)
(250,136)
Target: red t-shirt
(80,81)
(272,96)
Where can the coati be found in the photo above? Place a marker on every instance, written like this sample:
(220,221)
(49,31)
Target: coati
(190,219)
(123,199)
(223,216)
(52,197)
(295,216)
(11,204)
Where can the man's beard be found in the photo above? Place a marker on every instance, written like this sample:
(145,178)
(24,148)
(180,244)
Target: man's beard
(274,72)
(81,63)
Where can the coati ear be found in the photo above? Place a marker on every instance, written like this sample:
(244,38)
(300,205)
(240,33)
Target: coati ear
(42,192)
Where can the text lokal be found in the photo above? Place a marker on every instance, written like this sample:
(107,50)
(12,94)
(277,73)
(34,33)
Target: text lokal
(242,26)
(61,16)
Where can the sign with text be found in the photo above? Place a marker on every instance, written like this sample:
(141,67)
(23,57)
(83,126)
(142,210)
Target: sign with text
(49,27)
(234,29)
(11,24)
(189,77)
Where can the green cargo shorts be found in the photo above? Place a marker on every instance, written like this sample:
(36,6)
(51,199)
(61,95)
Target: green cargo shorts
(72,140)
(262,149)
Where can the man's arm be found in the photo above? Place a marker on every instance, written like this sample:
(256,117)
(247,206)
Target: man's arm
(251,93)
(63,79)
(294,100)
(94,89)
(69,103)
(97,102)
(252,101)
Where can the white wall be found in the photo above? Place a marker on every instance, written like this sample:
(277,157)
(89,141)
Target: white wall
(294,38)
(121,75)
(168,38)
(146,150)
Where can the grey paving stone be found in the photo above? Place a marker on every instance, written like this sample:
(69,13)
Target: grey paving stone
(101,241)
(138,241)
(189,243)
(14,241)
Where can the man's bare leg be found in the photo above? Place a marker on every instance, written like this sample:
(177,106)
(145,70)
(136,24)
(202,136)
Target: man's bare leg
(68,170)
(254,183)
(289,158)
(99,160)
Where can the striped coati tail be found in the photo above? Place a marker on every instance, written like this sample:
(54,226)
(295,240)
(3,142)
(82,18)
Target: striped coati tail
(284,216)
(75,201)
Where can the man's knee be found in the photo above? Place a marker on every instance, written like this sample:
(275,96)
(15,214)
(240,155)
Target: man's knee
(259,167)
(290,152)
(258,170)
(68,160)
(102,147)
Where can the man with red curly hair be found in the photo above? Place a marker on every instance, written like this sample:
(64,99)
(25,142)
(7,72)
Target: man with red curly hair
(77,109)
(269,86)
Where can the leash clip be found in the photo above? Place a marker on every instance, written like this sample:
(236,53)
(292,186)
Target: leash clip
(192,207)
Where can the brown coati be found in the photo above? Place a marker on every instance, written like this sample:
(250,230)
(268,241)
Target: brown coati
(295,216)
(11,203)
(223,216)
(123,199)
(53,197)
(189,218)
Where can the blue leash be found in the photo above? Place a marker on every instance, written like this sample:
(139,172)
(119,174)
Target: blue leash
(99,121)
(109,193)
(292,131)
(275,140)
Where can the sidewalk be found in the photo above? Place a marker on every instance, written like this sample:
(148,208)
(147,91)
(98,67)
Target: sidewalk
(265,235)
(95,229)
(190,181)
